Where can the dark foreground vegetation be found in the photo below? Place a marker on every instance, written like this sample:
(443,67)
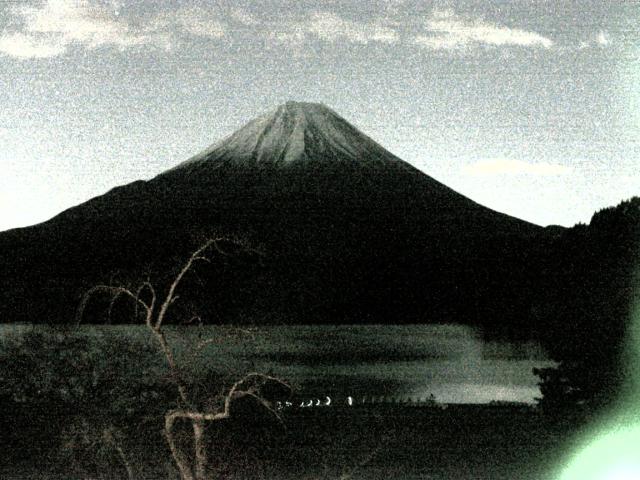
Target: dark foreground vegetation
(79,407)
(359,443)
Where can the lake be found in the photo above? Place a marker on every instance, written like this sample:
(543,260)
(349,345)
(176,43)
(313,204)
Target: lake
(368,362)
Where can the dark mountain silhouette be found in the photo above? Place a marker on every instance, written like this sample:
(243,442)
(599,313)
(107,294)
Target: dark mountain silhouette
(350,233)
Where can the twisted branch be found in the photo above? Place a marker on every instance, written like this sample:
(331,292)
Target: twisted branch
(171,296)
(198,420)
(154,319)
(112,290)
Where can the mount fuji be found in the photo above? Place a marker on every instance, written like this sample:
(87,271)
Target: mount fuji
(349,233)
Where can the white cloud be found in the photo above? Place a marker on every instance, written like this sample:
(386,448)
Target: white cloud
(200,22)
(515,167)
(69,21)
(330,27)
(243,17)
(292,35)
(24,46)
(51,28)
(602,38)
(445,30)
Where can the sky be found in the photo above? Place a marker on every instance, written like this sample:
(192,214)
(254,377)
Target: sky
(529,107)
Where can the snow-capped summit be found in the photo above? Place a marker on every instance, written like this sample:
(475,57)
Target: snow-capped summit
(294,132)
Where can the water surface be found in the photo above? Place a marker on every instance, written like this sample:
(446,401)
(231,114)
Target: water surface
(377,362)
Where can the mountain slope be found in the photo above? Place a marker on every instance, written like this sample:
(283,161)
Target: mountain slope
(350,232)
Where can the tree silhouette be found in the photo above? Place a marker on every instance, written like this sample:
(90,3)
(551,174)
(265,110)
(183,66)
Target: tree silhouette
(154,309)
(592,272)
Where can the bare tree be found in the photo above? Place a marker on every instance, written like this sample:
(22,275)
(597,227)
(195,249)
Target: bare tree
(155,311)
(111,437)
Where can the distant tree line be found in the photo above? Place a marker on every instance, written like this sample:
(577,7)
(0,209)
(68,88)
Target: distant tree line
(584,310)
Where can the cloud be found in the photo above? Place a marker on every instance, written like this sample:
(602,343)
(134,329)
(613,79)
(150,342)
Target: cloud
(243,17)
(602,38)
(200,22)
(49,29)
(445,30)
(20,45)
(330,27)
(64,22)
(515,167)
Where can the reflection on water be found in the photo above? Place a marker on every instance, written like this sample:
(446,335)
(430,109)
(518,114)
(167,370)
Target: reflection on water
(449,361)
(484,393)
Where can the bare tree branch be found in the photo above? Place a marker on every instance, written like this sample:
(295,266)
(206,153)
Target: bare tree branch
(181,460)
(173,366)
(248,386)
(194,318)
(109,435)
(198,419)
(114,291)
(151,306)
(200,449)
(113,301)
(174,285)
(253,375)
